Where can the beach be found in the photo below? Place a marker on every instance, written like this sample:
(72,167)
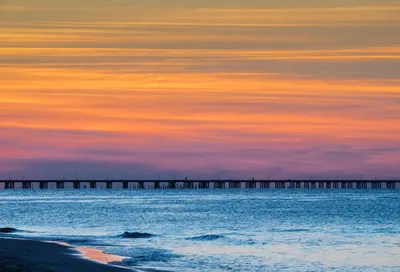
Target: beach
(19,255)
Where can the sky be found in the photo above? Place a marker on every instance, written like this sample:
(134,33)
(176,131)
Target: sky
(165,89)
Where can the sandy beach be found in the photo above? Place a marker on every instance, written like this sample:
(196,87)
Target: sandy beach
(17,255)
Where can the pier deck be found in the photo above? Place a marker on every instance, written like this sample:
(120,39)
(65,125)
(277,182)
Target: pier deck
(199,184)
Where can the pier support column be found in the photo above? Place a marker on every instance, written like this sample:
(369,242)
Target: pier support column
(164,185)
(149,185)
(101,185)
(84,185)
(133,185)
(117,185)
(68,185)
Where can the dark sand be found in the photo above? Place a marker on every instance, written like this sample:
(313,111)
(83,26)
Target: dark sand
(33,256)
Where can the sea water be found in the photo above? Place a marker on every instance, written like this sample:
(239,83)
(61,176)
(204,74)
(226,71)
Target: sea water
(218,230)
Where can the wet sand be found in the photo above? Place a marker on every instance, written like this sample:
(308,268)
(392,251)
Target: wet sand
(17,255)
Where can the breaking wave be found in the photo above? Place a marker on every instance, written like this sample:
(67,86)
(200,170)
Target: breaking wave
(290,230)
(136,235)
(207,237)
(8,230)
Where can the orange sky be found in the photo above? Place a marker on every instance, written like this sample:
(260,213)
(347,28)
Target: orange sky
(137,89)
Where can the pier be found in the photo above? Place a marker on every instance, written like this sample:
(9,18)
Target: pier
(197,184)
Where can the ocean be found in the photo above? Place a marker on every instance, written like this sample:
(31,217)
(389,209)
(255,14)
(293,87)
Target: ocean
(218,230)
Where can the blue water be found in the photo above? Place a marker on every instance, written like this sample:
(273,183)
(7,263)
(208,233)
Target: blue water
(219,230)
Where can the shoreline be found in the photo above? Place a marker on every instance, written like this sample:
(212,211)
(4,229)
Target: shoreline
(20,255)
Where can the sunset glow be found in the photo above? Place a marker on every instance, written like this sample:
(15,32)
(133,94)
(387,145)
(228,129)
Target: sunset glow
(141,89)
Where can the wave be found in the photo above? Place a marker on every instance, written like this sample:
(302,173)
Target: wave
(139,256)
(82,242)
(136,235)
(290,230)
(8,230)
(206,237)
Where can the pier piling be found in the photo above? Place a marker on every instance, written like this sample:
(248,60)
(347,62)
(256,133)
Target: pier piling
(200,184)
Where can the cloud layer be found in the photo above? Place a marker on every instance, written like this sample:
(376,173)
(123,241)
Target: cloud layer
(211,88)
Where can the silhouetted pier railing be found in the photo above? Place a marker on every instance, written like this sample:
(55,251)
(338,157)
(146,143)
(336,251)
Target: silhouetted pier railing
(200,184)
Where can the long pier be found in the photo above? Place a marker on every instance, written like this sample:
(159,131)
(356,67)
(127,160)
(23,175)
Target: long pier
(199,184)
